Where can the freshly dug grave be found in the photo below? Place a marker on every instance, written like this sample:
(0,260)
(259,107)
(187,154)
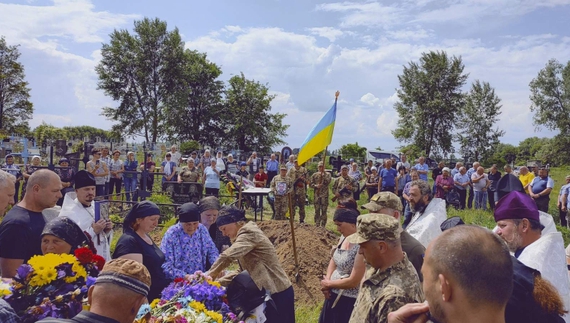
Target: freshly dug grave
(314,246)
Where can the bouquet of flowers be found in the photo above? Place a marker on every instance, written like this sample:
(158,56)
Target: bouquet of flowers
(52,285)
(196,299)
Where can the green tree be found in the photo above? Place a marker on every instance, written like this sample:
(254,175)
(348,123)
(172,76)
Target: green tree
(554,151)
(249,123)
(529,147)
(429,95)
(352,151)
(187,147)
(141,71)
(550,97)
(45,132)
(481,112)
(196,112)
(15,106)
(499,156)
(81,132)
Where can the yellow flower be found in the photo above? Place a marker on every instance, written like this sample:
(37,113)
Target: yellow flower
(213,283)
(214,315)
(79,270)
(154,303)
(199,307)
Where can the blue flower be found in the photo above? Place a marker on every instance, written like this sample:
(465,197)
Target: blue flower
(23,271)
(90,281)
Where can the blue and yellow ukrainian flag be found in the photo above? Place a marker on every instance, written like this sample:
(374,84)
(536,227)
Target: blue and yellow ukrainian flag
(320,137)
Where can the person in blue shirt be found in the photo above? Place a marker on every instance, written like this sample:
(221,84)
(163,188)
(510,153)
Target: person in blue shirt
(387,181)
(422,169)
(540,189)
(462,182)
(470,173)
(130,179)
(563,202)
(272,167)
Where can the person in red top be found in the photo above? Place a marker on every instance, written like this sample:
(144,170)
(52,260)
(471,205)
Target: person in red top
(443,183)
(261,177)
(260,180)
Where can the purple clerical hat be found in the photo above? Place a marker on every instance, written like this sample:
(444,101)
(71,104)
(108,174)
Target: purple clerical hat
(516,205)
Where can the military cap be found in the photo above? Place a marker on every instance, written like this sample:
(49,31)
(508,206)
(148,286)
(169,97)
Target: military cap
(320,164)
(383,200)
(283,167)
(374,226)
(344,167)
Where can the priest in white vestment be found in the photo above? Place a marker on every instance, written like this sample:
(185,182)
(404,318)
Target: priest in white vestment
(534,243)
(79,207)
(430,213)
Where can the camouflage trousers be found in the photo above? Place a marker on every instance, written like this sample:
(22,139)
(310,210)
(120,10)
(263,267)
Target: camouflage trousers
(321,206)
(281,205)
(299,201)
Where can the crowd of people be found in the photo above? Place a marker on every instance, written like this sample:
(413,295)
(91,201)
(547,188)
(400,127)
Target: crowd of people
(401,261)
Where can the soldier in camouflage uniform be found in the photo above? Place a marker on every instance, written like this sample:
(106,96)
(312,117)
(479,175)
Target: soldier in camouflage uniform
(344,186)
(298,176)
(280,187)
(383,290)
(320,182)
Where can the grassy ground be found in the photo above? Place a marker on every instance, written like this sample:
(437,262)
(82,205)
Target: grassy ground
(310,313)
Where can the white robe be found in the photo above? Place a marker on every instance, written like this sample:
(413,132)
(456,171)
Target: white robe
(427,226)
(548,256)
(84,217)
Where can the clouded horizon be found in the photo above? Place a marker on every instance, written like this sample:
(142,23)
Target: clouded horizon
(305,50)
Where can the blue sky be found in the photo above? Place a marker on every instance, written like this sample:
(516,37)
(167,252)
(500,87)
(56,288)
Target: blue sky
(304,49)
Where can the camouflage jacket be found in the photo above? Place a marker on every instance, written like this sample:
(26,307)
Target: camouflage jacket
(385,291)
(295,174)
(280,186)
(323,179)
(342,182)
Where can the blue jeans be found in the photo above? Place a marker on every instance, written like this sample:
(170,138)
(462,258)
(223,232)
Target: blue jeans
(131,186)
(481,200)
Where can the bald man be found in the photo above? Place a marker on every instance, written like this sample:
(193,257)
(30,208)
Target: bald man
(459,291)
(22,227)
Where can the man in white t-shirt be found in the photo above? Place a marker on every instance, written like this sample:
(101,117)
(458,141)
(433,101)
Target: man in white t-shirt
(175,154)
(404,163)
(481,184)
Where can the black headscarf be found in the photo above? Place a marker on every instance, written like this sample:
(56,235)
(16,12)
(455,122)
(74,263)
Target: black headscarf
(230,214)
(188,212)
(139,210)
(68,231)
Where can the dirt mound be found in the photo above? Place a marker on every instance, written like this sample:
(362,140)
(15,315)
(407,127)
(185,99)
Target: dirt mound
(314,253)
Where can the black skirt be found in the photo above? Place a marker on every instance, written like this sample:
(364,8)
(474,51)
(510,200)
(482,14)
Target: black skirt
(340,313)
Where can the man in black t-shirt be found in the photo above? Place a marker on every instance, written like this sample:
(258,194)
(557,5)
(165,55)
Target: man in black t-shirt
(21,229)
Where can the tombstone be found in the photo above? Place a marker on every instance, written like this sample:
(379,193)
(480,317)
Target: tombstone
(183,192)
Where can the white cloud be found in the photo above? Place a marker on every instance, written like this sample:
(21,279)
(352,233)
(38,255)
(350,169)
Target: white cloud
(370,14)
(329,33)
(370,99)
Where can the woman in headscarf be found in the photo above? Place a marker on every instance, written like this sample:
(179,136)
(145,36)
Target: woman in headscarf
(168,167)
(136,244)
(187,245)
(256,254)
(209,210)
(66,175)
(62,235)
(345,271)
(29,169)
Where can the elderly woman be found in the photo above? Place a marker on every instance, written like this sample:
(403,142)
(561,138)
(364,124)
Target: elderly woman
(372,182)
(209,210)
(443,183)
(66,175)
(355,173)
(187,245)
(344,273)
(211,179)
(256,254)
(189,173)
(168,167)
(136,244)
(62,235)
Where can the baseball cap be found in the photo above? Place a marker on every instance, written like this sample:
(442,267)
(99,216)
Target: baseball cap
(242,164)
(374,226)
(383,200)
